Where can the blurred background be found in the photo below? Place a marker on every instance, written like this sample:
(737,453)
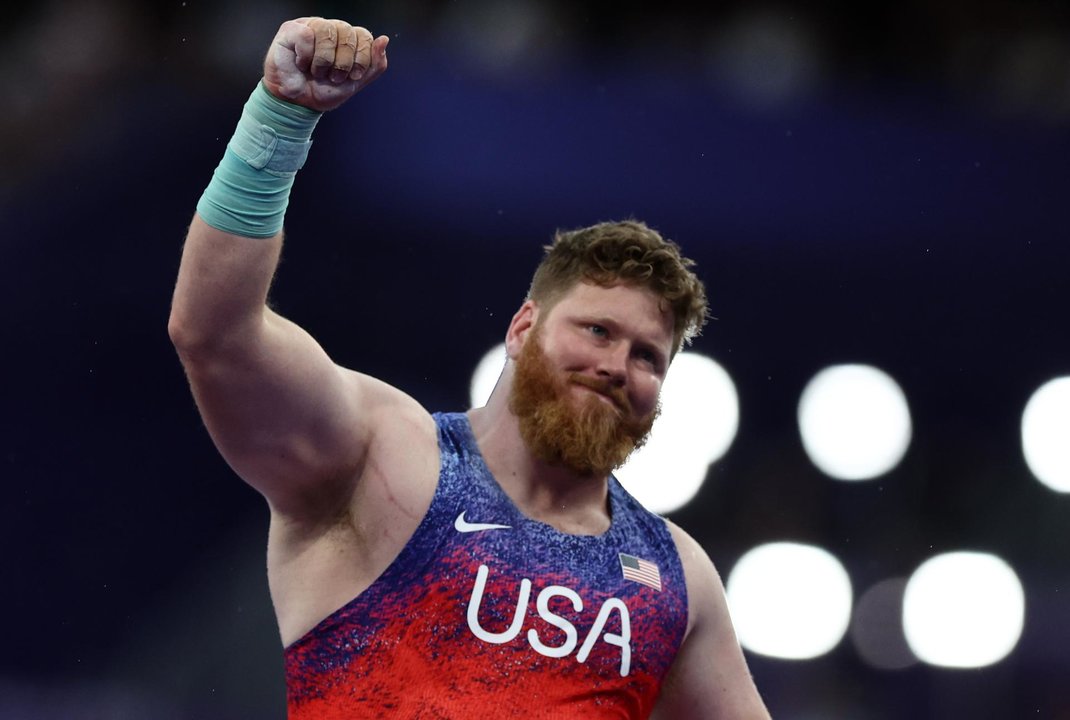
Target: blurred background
(877,187)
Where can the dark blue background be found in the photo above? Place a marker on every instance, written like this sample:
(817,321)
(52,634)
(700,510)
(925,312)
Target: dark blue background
(903,208)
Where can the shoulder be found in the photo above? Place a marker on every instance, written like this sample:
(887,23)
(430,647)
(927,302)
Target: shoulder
(395,444)
(392,414)
(388,415)
(709,677)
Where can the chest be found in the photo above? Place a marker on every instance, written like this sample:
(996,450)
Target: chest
(510,590)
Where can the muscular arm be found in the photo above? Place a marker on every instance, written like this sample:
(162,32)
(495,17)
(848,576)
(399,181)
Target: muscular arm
(287,419)
(709,679)
(282,414)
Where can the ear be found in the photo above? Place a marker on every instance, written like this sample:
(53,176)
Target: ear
(520,328)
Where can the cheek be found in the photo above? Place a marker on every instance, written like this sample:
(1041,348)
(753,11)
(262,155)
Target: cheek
(571,357)
(645,394)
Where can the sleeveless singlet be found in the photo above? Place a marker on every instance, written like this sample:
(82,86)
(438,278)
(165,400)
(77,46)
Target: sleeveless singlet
(488,613)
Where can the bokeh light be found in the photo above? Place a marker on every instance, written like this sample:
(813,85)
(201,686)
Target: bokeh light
(1046,434)
(877,626)
(485,375)
(789,600)
(699,419)
(854,422)
(963,609)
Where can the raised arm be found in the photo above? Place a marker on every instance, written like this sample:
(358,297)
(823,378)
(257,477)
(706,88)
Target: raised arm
(709,679)
(286,418)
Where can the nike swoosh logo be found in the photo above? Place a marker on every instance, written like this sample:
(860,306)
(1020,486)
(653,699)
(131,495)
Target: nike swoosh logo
(464,526)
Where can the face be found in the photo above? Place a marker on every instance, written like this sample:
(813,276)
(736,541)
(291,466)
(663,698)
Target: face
(588,375)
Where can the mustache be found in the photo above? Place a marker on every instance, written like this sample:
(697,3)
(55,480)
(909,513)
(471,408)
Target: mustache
(604,387)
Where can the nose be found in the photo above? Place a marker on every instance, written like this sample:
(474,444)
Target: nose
(613,364)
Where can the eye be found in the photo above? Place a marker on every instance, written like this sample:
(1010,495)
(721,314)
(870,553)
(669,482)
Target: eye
(598,330)
(649,357)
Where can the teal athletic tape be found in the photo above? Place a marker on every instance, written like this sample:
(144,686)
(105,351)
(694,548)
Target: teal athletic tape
(250,188)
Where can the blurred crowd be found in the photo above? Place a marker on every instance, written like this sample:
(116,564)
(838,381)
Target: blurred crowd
(67,64)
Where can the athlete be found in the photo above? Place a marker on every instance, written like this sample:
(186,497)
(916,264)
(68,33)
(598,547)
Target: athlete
(466,564)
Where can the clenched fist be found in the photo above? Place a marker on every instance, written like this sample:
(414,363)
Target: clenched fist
(320,63)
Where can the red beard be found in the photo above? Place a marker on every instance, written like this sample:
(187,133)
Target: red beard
(589,437)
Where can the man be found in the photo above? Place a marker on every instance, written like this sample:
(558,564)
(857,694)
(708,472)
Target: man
(460,564)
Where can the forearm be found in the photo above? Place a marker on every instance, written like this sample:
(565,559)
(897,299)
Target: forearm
(232,248)
(233,244)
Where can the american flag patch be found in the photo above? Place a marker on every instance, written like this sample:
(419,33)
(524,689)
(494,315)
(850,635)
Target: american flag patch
(641,571)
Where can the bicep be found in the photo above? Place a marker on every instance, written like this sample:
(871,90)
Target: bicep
(286,418)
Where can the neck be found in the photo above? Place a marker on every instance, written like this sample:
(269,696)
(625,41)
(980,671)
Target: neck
(553,494)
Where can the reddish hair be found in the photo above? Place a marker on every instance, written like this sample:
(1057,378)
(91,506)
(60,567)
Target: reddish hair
(624,252)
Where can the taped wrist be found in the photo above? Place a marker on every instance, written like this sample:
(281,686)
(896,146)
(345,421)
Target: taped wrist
(250,188)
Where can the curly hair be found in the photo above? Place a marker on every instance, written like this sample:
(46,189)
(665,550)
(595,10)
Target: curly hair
(628,252)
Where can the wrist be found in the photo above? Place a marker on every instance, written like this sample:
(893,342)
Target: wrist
(273,135)
(287,118)
(250,190)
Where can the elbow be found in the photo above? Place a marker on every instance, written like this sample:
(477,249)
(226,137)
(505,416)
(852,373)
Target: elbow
(196,336)
(193,337)
(184,334)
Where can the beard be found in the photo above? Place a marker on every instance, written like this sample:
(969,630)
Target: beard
(589,437)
